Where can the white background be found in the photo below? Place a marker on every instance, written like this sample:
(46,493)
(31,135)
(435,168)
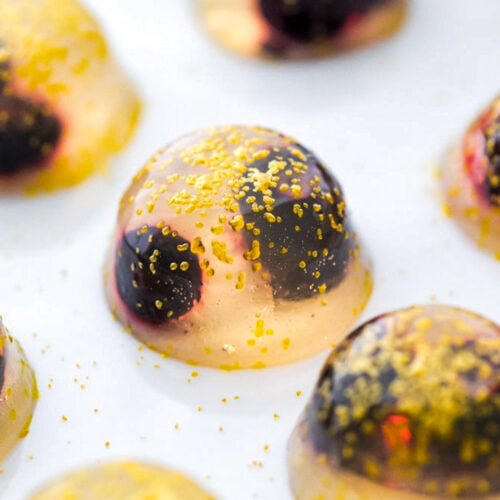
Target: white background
(380,118)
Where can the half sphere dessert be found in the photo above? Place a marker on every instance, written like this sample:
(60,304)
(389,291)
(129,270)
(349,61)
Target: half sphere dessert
(407,407)
(18,393)
(123,480)
(300,28)
(65,106)
(470,180)
(234,249)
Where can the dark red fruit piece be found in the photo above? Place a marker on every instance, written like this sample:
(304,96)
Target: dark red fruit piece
(29,133)
(301,252)
(310,20)
(492,150)
(157,276)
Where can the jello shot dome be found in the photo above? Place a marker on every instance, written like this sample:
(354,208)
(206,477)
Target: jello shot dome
(234,248)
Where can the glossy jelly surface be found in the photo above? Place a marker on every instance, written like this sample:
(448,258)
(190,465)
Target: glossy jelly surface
(300,28)
(471,180)
(65,106)
(234,249)
(18,393)
(408,406)
(123,481)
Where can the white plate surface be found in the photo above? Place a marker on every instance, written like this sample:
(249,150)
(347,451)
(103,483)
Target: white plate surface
(380,118)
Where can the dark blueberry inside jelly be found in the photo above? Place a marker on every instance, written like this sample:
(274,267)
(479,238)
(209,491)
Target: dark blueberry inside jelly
(492,150)
(310,20)
(29,133)
(301,236)
(157,276)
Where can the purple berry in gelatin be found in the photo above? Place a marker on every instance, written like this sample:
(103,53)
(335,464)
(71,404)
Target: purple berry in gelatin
(310,20)
(492,150)
(309,228)
(157,276)
(29,133)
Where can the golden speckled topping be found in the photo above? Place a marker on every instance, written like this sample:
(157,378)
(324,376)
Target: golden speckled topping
(411,399)
(123,481)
